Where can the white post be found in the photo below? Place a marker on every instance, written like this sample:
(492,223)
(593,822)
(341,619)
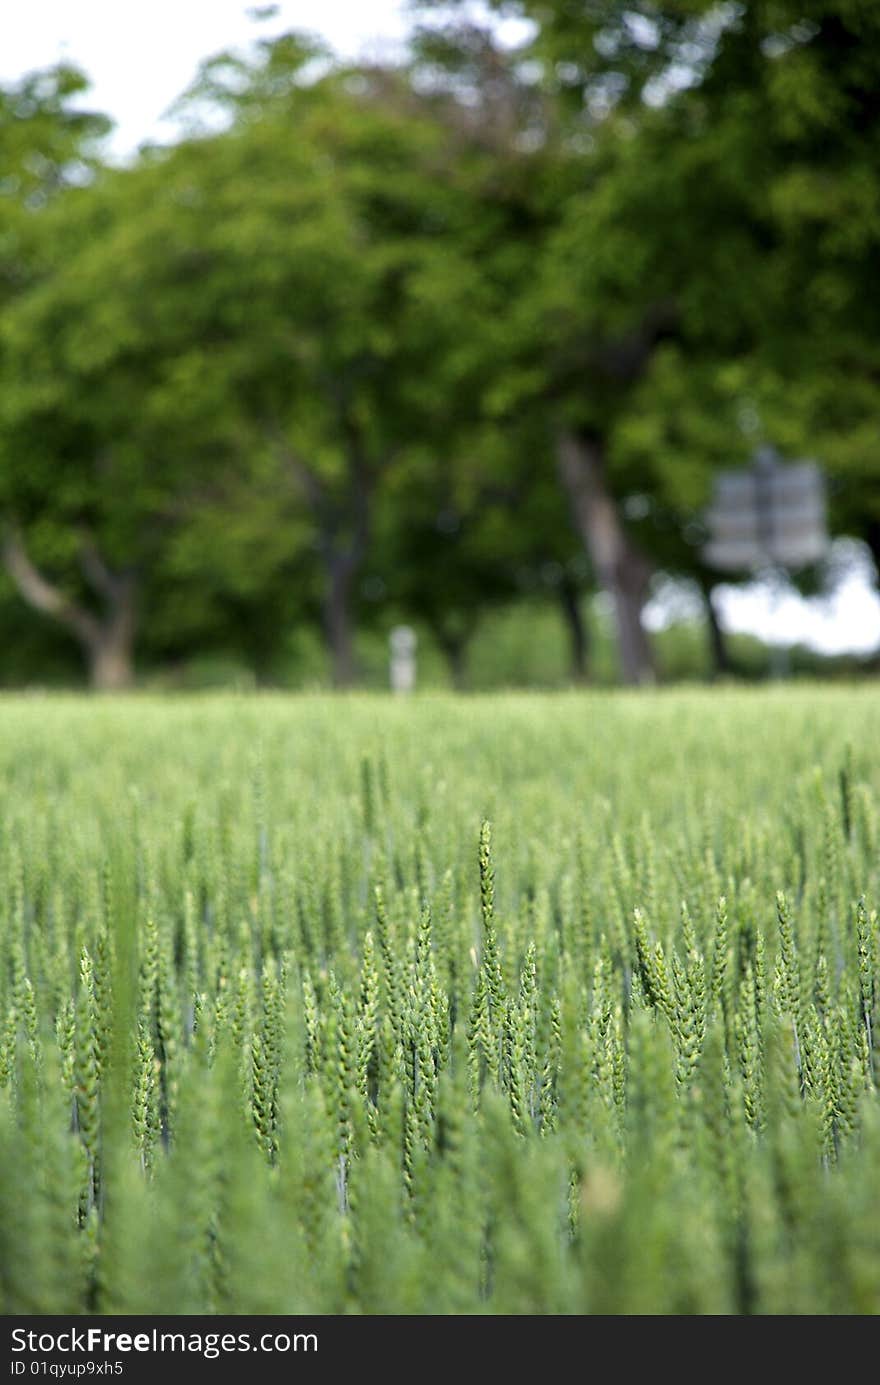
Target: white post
(403,659)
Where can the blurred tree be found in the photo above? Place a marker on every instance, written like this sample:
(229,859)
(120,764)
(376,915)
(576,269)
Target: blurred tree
(48,144)
(711,254)
(396,324)
(271,308)
(363,331)
(235,574)
(495,520)
(568,358)
(463,533)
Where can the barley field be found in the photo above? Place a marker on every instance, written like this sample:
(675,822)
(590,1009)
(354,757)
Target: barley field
(521,1004)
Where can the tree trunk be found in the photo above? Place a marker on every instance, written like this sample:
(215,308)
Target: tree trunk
(111,656)
(578,638)
(457,657)
(872,539)
(110,667)
(107,641)
(338,623)
(454,649)
(343,525)
(619,566)
(718,652)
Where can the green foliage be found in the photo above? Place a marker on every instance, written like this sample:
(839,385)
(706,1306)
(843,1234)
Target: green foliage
(734,190)
(276,387)
(440,1066)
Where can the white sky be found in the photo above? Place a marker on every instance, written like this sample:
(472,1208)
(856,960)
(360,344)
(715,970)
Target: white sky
(140,56)
(846,620)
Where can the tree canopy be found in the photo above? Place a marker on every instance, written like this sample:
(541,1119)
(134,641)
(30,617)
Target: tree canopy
(415,340)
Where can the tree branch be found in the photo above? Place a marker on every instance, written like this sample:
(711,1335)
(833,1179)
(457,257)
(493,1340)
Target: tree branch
(298,469)
(626,358)
(96,571)
(43,595)
(362,485)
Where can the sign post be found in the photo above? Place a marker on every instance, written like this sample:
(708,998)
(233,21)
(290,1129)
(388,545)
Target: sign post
(767,519)
(403,658)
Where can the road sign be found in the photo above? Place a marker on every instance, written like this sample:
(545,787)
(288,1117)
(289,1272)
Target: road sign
(771,514)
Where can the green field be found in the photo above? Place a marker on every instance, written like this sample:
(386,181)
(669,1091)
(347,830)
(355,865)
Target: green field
(521,1004)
